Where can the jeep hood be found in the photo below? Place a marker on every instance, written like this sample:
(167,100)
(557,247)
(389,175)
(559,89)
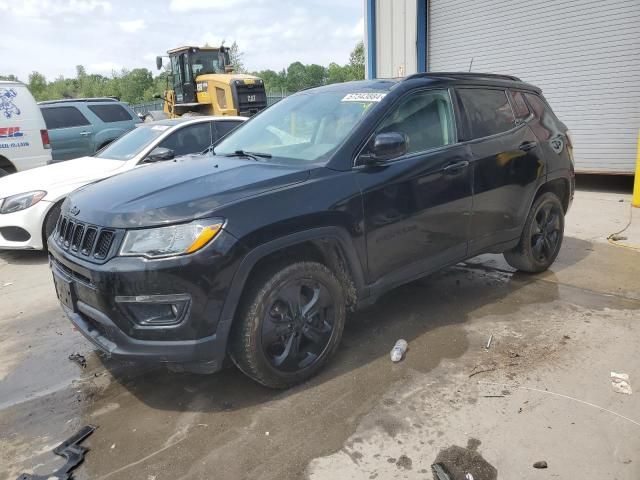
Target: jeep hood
(52,178)
(177,191)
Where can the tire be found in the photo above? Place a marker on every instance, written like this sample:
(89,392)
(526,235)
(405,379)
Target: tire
(3,173)
(541,238)
(50,222)
(278,348)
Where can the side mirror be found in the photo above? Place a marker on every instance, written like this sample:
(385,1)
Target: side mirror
(385,147)
(158,63)
(159,154)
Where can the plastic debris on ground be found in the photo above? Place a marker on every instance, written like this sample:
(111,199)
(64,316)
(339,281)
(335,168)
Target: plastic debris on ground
(398,350)
(620,383)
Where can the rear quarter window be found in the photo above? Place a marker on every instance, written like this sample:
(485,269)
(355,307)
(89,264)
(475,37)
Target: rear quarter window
(488,111)
(520,108)
(63,117)
(111,113)
(222,127)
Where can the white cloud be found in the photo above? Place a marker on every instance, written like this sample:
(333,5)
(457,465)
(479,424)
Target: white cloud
(189,5)
(358,29)
(104,67)
(132,26)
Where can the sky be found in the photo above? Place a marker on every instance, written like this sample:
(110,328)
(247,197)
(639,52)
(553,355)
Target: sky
(53,36)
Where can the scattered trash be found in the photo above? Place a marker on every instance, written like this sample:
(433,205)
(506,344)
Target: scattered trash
(8,284)
(620,383)
(79,359)
(566,337)
(617,238)
(482,369)
(621,200)
(266,434)
(489,342)
(458,463)
(113,446)
(69,449)
(398,350)
(540,464)
(513,354)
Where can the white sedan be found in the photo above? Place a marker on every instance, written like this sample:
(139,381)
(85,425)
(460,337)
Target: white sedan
(30,201)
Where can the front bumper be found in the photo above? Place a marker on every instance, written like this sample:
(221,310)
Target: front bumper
(99,298)
(29,221)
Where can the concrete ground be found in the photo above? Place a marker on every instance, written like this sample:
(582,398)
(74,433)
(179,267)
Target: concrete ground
(542,391)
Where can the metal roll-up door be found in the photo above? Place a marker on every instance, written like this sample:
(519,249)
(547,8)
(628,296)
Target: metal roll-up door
(584,54)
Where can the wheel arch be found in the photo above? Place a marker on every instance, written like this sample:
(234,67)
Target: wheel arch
(331,246)
(55,203)
(7,165)
(560,186)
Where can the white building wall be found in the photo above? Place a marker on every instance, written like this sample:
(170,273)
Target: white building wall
(396,38)
(584,54)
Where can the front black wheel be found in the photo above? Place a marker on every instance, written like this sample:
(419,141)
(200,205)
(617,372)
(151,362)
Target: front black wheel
(291,324)
(50,222)
(541,237)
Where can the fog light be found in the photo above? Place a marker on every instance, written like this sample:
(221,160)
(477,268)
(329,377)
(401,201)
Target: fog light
(155,310)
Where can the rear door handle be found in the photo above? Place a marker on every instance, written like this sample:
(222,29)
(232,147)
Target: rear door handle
(455,167)
(526,146)
(85,134)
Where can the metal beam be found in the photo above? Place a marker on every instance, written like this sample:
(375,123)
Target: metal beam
(422,36)
(371,38)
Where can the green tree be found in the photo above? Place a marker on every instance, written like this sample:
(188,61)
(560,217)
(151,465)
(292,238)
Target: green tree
(10,77)
(38,86)
(336,73)
(296,77)
(316,75)
(356,62)
(236,57)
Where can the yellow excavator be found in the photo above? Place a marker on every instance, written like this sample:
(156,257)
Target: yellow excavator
(201,81)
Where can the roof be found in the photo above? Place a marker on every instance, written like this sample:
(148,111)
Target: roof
(73,100)
(187,47)
(170,122)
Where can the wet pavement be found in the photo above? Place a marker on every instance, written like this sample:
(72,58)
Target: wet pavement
(540,392)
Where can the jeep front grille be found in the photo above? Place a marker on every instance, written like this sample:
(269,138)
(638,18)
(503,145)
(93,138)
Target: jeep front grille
(84,240)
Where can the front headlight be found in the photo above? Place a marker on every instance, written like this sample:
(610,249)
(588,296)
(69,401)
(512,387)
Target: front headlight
(172,240)
(15,203)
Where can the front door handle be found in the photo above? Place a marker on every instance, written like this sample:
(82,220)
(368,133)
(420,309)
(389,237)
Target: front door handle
(526,146)
(85,134)
(455,167)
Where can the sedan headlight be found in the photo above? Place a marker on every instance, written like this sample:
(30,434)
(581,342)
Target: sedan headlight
(15,203)
(172,240)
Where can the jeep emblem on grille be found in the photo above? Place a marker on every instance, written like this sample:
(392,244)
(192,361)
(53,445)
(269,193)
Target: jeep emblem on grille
(74,210)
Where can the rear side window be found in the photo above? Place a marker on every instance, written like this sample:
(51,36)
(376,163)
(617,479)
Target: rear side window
(191,139)
(426,118)
(224,127)
(488,111)
(111,113)
(63,117)
(519,105)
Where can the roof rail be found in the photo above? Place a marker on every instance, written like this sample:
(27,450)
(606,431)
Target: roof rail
(69,100)
(463,75)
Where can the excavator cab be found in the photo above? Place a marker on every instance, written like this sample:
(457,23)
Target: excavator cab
(202,81)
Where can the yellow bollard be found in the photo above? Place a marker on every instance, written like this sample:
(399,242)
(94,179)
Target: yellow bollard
(635,201)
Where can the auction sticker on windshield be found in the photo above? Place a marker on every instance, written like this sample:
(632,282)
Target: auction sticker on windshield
(363,97)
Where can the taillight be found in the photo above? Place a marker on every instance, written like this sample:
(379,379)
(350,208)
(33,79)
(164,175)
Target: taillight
(44,135)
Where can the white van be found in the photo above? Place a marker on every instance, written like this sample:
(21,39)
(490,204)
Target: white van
(24,141)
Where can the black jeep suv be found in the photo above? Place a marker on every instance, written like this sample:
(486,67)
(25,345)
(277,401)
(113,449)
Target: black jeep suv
(312,208)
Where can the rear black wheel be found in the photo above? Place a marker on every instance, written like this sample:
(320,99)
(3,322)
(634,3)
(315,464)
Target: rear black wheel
(3,173)
(541,237)
(291,325)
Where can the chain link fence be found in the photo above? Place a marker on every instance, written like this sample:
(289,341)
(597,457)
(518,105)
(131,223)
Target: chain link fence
(144,108)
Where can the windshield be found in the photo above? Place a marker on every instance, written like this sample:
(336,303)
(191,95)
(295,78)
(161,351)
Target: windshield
(206,62)
(305,127)
(132,143)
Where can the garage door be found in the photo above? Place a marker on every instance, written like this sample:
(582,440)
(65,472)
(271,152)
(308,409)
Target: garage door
(584,54)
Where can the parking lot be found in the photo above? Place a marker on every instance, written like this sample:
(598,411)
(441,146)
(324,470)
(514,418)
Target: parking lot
(540,392)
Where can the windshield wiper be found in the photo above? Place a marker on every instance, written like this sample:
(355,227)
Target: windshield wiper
(253,155)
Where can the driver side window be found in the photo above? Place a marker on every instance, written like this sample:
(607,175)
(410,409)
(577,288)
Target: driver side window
(426,118)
